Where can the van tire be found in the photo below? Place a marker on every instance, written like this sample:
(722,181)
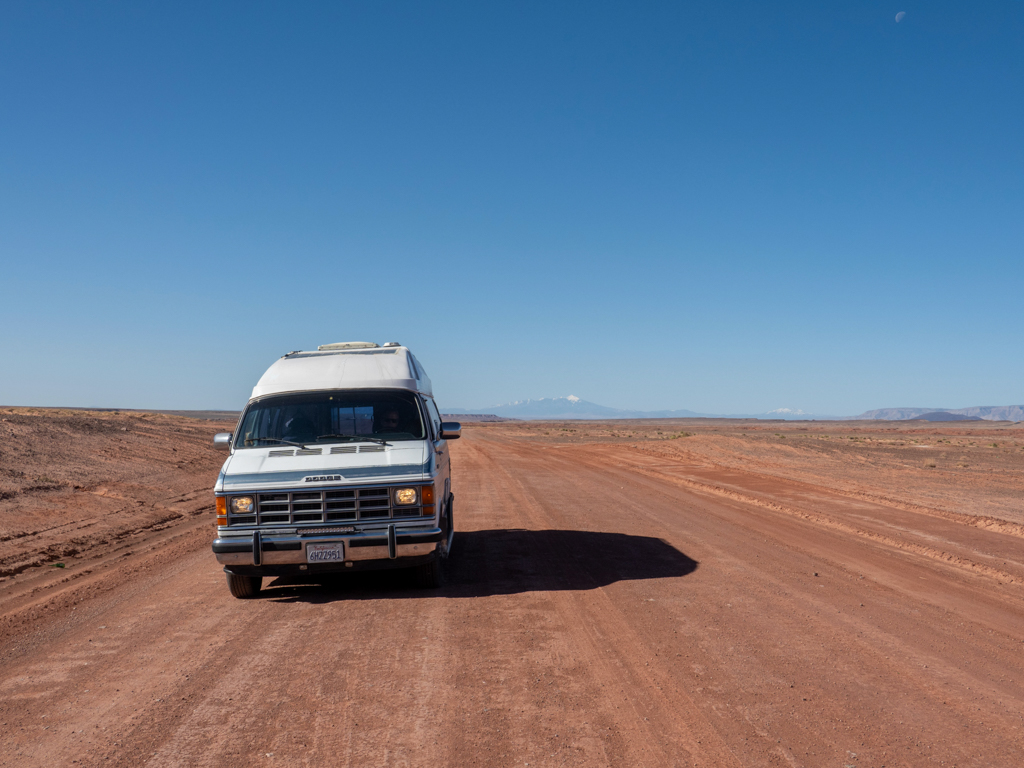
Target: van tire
(244,587)
(430,575)
(447,526)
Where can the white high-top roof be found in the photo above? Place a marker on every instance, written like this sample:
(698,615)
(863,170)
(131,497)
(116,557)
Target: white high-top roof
(345,365)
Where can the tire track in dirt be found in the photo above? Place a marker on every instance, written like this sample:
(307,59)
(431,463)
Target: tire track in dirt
(985,522)
(33,601)
(1002,605)
(664,720)
(818,518)
(886,641)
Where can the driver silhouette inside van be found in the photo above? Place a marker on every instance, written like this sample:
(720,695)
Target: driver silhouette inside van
(299,428)
(388,420)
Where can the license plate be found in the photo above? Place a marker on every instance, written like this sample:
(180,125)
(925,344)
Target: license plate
(325,553)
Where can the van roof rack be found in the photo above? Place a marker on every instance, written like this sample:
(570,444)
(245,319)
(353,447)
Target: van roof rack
(347,345)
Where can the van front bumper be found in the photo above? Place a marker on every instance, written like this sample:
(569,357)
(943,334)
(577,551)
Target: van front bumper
(263,548)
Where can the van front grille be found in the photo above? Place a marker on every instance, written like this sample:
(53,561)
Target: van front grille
(324,506)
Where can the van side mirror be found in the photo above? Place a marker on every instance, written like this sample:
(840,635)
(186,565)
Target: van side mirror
(450,430)
(222,440)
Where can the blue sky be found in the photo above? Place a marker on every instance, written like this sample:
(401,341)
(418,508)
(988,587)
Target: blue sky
(725,207)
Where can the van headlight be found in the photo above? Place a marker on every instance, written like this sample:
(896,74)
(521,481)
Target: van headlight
(405,496)
(241,505)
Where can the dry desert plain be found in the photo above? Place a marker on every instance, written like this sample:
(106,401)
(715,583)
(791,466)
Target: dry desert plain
(649,593)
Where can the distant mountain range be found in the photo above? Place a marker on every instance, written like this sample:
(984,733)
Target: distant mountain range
(572,407)
(985,412)
(944,416)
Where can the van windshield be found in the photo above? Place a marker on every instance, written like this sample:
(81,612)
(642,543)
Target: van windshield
(332,417)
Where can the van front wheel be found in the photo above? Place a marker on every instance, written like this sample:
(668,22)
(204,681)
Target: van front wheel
(244,587)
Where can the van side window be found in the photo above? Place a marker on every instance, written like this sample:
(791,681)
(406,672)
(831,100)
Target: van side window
(420,373)
(435,417)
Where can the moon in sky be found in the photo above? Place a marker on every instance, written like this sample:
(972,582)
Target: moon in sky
(899,16)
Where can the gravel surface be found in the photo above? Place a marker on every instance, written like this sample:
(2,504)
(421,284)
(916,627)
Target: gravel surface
(629,594)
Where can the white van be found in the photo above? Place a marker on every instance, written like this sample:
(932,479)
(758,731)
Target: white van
(339,462)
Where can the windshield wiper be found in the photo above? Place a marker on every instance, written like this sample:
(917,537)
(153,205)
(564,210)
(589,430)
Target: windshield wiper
(357,437)
(279,440)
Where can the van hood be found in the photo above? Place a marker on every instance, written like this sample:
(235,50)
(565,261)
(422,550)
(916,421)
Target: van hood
(251,469)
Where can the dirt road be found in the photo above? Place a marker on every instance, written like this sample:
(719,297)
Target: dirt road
(606,606)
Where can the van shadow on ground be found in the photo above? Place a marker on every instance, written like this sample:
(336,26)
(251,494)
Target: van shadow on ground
(505,562)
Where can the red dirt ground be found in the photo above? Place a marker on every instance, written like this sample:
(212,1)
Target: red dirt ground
(655,593)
